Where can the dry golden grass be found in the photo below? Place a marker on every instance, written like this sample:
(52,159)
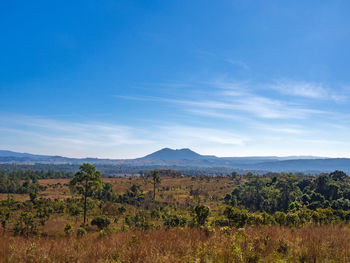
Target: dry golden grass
(171,190)
(18,197)
(328,243)
(254,244)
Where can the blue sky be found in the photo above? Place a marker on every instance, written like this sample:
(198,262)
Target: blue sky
(121,79)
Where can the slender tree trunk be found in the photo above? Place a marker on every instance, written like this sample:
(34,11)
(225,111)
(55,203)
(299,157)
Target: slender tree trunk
(84,208)
(85,198)
(8,195)
(154,190)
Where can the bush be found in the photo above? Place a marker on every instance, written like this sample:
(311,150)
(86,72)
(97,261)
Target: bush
(25,225)
(68,229)
(221,222)
(255,219)
(280,218)
(4,217)
(236,217)
(121,210)
(138,221)
(104,232)
(292,219)
(283,247)
(268,219)
(201,214)
(175,221)
(81,232)
(101,222)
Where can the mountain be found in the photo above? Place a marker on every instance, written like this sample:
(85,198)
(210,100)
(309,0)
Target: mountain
(16,154)
(324,165)
(170,158)
(170,154)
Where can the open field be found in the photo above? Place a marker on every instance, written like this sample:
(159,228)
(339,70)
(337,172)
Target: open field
(252,244)
(171,190)
(48,227)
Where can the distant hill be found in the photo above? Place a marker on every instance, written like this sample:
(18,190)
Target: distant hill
(323,165)
(170,154)
(187,158)
(17,154)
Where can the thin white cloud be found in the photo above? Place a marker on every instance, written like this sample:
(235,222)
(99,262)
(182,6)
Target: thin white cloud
(196,135)
(76,139)
(238,103)
(305,89)
(257,125)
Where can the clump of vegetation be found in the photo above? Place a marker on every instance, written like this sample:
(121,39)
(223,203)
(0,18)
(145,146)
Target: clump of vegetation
(25,226)
(201,215)
(81,231)
(101,222)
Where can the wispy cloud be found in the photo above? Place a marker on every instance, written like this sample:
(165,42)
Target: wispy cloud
(76,139)
(223,116)
(234,98)
(265,107)
(254,114)
(257,125)
(81,139)
(190,135)
(305,89)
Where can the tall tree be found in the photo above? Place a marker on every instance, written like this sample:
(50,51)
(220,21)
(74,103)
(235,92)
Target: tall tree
(155,176)
(86,182)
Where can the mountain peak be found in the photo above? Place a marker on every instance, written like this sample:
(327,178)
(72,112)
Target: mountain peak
(174,154)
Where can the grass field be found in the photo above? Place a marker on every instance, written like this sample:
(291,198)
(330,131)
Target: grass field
(123,243)
(252,244)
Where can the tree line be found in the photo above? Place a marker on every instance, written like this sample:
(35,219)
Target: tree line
(282,192)
(282,199)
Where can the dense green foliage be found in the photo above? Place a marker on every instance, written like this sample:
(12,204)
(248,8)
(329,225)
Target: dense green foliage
(12,184)
(101,221)
(23,172)
(283,192)
(86,182)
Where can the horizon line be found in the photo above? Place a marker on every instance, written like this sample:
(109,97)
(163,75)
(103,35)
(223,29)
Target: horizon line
(242,156)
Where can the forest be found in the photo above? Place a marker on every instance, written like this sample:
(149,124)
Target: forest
(168,216)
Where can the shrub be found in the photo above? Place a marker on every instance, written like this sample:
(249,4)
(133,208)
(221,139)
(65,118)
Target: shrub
(43,213)
(236,217)
(110,209)
(4,217)
(208,230)
(268,219)
(175,221)
(101,222)
(305,215)
(68,229)
(104,232)
(255,219)
(292,219)
(81,232)
(201,214)
(221,222)
(139,221)
(121,210)
(280,218)
(283,247)
(25,225)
